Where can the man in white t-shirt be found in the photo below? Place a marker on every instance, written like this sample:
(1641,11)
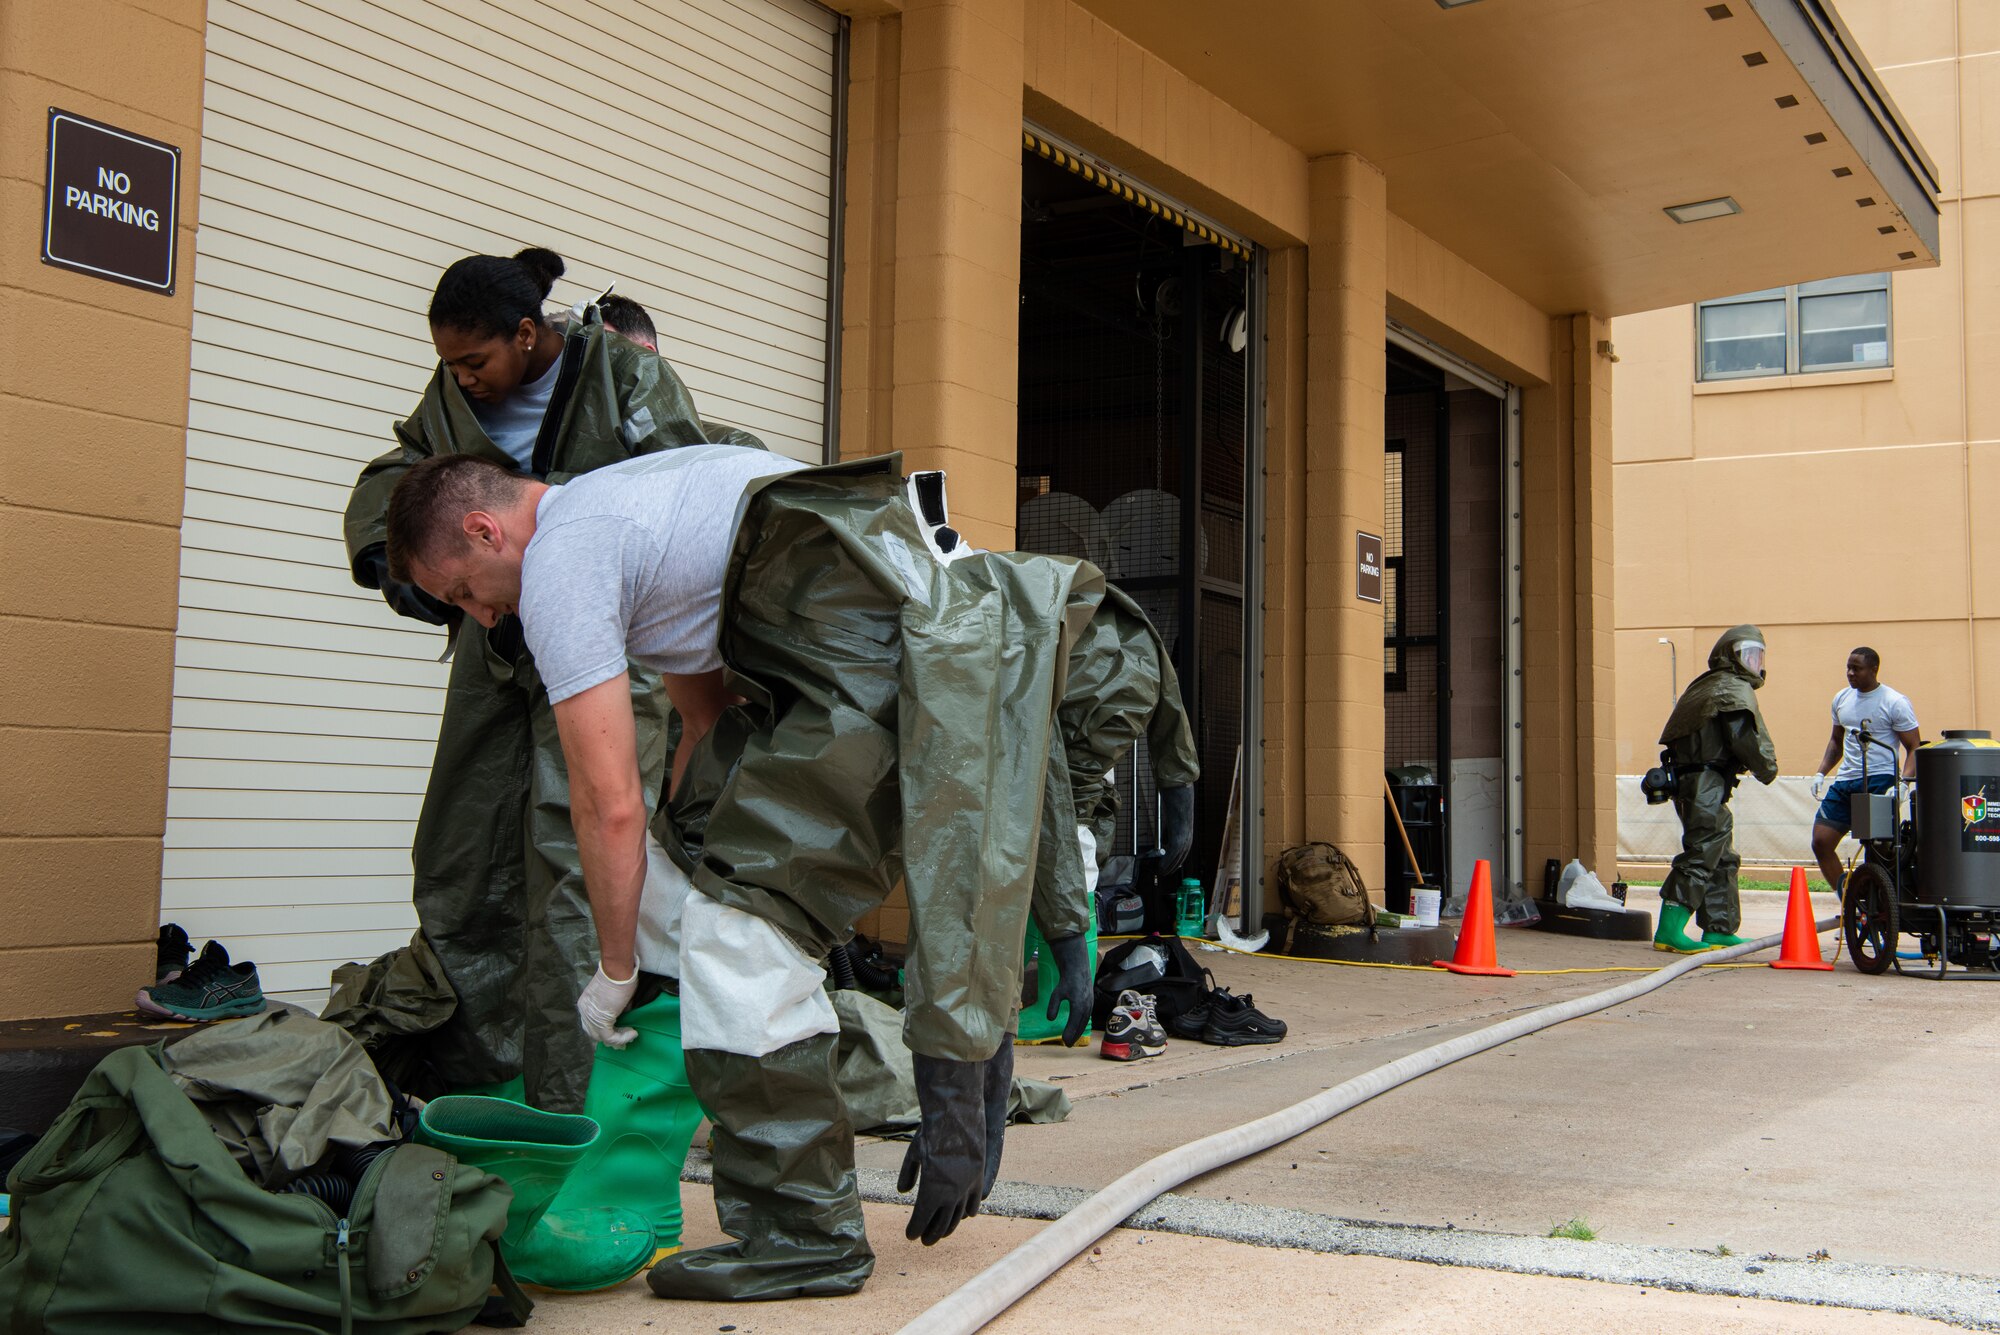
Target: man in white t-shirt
(1869,720)
(841,662)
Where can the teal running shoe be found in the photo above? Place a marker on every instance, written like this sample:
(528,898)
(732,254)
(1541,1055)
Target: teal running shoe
(209,989)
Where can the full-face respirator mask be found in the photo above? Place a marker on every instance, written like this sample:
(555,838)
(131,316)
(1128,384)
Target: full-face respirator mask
(1659,783)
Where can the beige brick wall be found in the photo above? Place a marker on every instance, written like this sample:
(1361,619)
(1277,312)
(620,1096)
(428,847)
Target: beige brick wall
(1341,674)
(1567,612)
(1091,83)
(868,229)
(958,254)
(93,415)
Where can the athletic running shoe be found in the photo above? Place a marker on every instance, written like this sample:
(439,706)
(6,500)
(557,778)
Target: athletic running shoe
(1134,1032)
(1234,1023)
(1193,1022)
(210,989)
(170,954)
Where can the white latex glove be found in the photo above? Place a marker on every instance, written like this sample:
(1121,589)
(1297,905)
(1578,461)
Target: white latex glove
(1818,787)
(604,999)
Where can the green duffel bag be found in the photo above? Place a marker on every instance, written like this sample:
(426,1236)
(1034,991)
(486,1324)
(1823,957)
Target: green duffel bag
(130,1215)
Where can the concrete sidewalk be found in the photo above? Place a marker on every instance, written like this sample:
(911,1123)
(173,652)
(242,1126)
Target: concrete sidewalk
(1715,1134)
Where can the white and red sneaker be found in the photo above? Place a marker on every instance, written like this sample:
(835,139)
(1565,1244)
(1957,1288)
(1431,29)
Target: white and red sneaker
(1134,1031)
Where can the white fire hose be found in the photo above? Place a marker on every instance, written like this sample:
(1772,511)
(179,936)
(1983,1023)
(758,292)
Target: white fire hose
(1011,1278)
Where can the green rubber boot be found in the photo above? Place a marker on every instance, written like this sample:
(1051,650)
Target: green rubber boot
(1672,931)
(1721,939)
(640,1099)
(531,1151)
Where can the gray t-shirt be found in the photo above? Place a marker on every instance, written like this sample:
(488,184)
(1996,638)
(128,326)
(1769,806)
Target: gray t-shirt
(628,561)
(1888,712)
(516,420)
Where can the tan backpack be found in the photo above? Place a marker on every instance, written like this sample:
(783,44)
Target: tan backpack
(1319,885)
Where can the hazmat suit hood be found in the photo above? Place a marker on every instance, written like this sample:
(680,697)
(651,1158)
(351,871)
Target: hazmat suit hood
(1725,687)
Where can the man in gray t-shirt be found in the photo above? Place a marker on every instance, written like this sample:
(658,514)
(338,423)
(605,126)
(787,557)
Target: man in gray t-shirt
(627,562)
(882,657)
(1870,720)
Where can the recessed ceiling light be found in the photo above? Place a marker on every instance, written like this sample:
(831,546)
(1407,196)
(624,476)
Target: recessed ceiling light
(1816,137)
(1455,4)
(1843,171)
(1788,101)
(1717,12)
(1703,209)
(1907,255)
(1865,202)
(1886,230)
(1756,58)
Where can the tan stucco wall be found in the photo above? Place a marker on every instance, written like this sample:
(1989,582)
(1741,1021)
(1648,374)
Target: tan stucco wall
(1740,502)
(93,417)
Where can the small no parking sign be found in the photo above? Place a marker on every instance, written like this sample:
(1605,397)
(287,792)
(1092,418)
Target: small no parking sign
(109,207)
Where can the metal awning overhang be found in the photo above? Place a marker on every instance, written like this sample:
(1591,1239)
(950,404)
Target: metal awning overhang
(1543,140)
(1826,54)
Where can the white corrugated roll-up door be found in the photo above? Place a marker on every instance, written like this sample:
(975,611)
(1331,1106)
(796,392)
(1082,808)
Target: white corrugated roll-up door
(350,151)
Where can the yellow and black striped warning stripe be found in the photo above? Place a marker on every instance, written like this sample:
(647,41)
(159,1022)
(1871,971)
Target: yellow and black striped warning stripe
(1130,193)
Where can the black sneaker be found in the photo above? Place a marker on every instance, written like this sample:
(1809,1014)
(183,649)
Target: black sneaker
(211,989)
(170,955)
(1234,1023)
(1193,1021)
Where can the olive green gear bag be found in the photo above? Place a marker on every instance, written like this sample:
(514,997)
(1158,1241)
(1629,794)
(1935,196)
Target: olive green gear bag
(1319,886)
(130,1214)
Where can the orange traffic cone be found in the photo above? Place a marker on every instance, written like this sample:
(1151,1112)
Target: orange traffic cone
(1475,937)
(1801,947)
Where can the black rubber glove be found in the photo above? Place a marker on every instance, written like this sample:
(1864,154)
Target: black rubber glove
(1075,983)
(371,570)
(1176,827)
(999,1093)
(946,1162)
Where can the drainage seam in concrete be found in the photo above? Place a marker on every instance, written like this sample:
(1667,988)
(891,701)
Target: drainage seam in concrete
(1968,1301)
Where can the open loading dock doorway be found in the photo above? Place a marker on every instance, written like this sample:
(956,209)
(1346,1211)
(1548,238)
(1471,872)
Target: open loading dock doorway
(1139,326)
(1450,623)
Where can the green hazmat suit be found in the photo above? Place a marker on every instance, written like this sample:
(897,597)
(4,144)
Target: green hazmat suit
(498,886)
(1715,734)
(1120,686)
(900,720)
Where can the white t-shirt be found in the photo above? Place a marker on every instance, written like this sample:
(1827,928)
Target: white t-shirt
(1888,712)
(515,421)
(627,562)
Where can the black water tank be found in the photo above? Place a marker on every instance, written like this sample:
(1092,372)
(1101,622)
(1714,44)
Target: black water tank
(1958,817)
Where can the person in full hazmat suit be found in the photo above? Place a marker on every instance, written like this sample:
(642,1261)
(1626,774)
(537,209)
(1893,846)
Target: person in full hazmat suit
(1715,735)
(1120,686)
(498,884)
(864,699)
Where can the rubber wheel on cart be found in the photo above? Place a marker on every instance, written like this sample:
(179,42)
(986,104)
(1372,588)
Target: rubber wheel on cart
(1868,916)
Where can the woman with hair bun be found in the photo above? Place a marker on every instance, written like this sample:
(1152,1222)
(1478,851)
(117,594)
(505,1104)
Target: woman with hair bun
(498,887)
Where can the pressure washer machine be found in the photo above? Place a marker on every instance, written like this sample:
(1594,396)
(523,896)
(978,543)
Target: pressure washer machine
(1933,873)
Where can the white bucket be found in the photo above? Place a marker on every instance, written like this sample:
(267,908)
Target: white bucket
(1425,903)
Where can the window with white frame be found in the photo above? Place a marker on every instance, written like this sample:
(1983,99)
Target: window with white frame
(1835,324)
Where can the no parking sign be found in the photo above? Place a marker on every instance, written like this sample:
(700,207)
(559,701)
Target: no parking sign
(109,208)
